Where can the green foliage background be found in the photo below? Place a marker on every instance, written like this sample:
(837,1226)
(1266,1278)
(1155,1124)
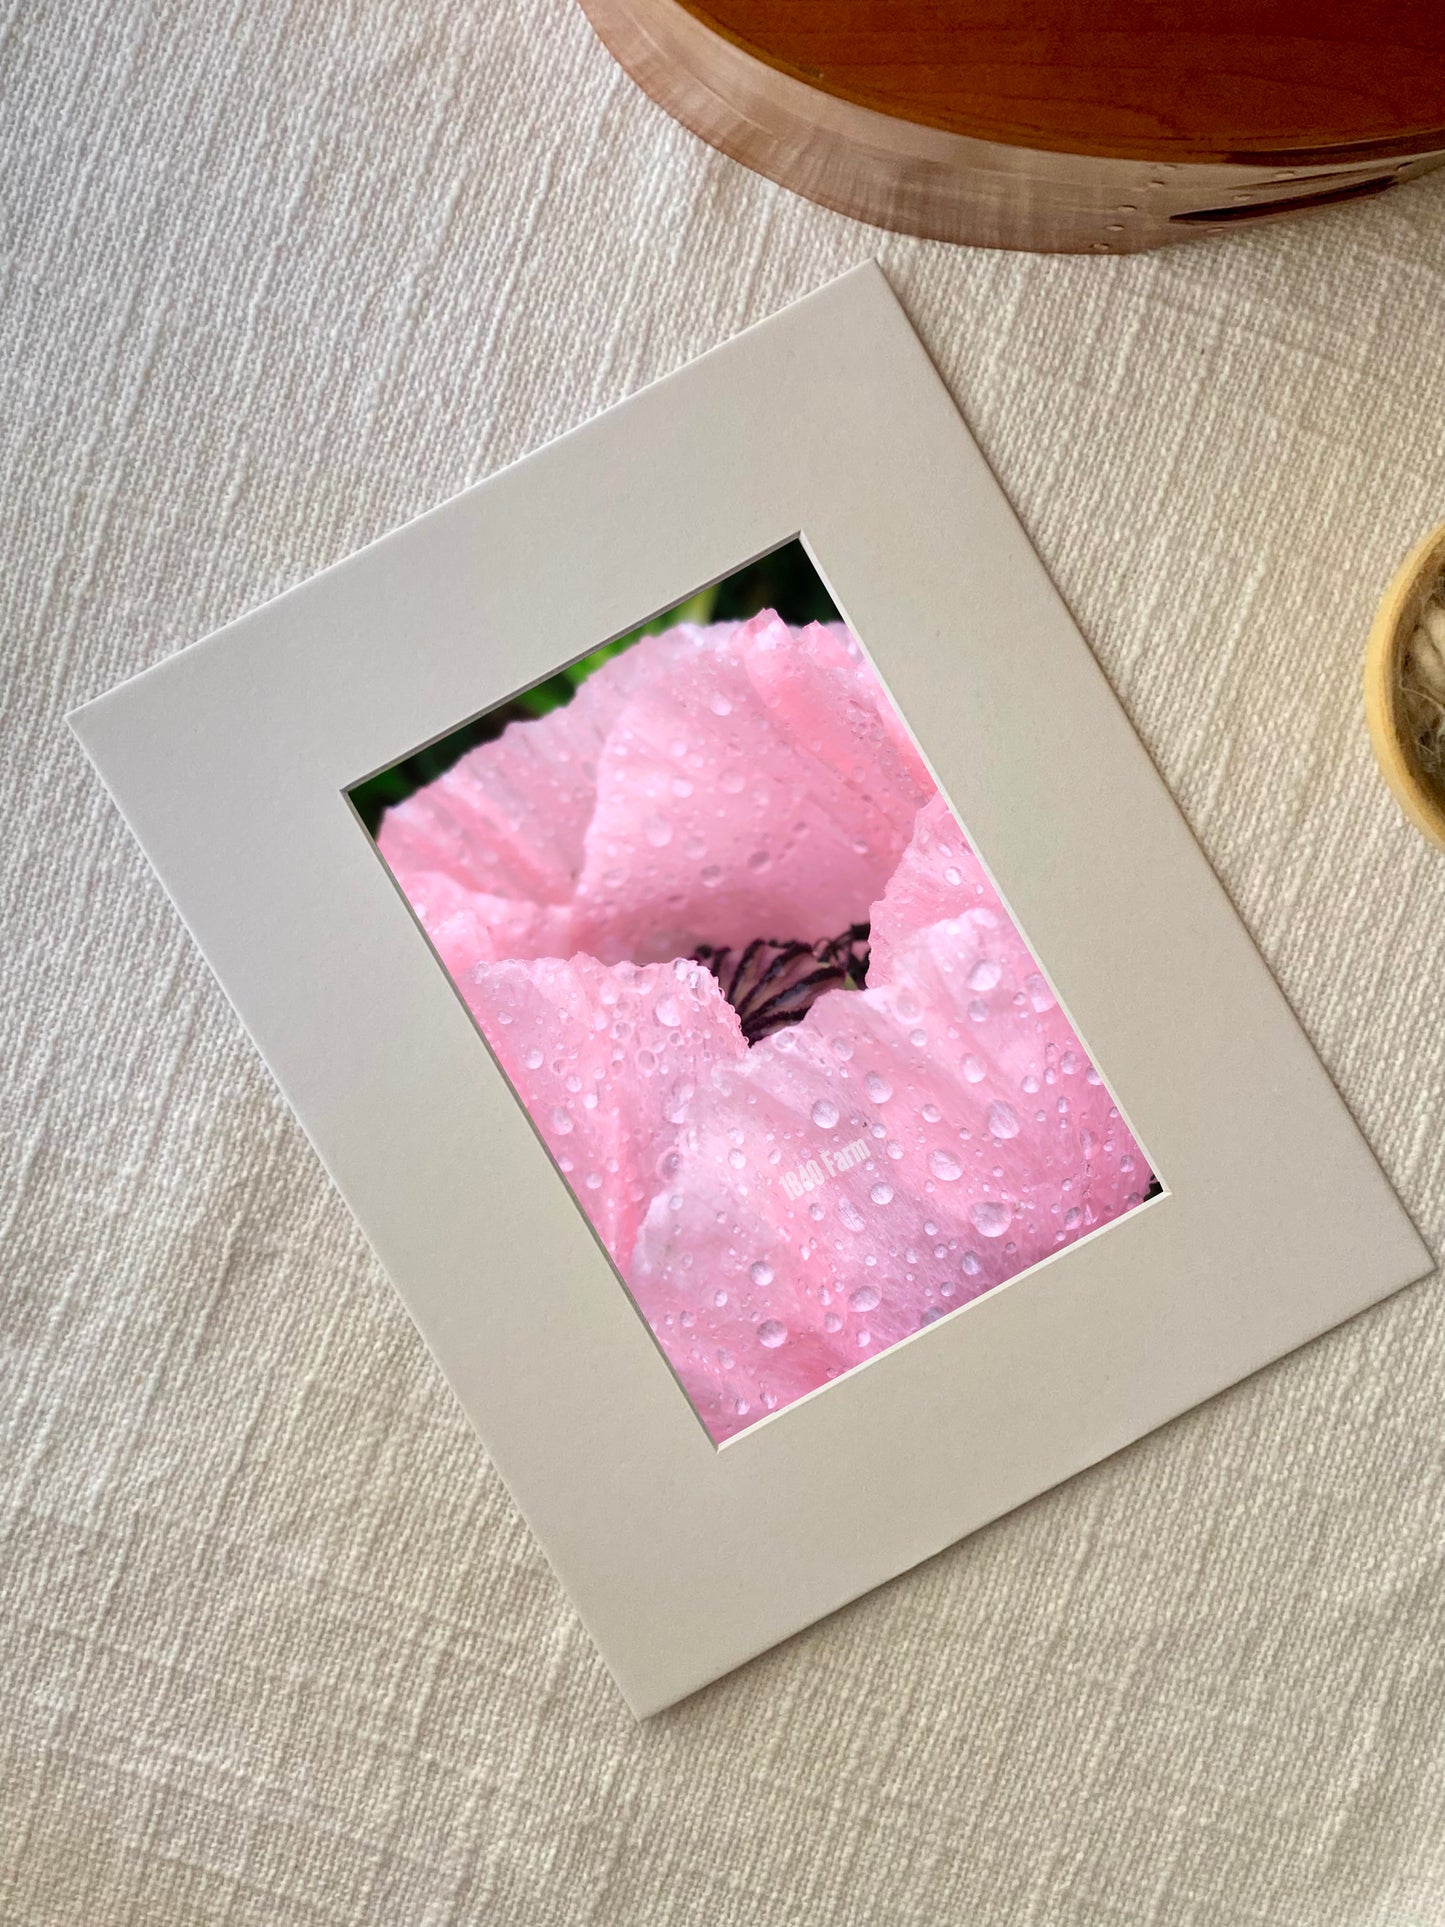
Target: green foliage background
(785,581)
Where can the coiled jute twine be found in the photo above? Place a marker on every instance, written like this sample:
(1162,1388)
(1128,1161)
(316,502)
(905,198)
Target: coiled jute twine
(1405,686)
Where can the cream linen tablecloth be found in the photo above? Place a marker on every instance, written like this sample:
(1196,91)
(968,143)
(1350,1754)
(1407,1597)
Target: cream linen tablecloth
(274,1646)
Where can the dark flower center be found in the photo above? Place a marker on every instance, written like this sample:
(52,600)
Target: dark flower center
(772,984)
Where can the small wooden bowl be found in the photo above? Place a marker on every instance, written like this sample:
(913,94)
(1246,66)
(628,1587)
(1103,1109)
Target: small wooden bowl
(1420,574)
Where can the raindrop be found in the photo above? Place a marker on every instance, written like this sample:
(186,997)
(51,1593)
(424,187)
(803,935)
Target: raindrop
(534,1059)
(918,1038)
(772,1334)
(1003,1120)
(850,1214)
(1072,1217)
(760,1273)
(882,1194)
(973,1070)
(825,1114)
(658,832)
(1040,996)
(985,974)
(719,1298)
(712,875)
(667,1013)
(978,1011)
(832,1322)
(865,1298)
(879,1089)
(719,704)
(971,1263)
(930,1114)
(953,875)
(944,1166)
(990,1218)
(561,1120)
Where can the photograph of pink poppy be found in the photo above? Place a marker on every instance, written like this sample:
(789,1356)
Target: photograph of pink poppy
(756,992)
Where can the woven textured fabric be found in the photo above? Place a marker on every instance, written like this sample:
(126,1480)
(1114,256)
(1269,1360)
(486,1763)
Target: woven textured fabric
(274,1647)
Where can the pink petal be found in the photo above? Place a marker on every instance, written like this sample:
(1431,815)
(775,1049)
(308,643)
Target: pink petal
(608,1062)
(748,788)
(947,1079)
(707,786)
(509,820)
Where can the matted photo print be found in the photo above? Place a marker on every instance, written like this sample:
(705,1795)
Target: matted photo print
(756,991)
(733,954)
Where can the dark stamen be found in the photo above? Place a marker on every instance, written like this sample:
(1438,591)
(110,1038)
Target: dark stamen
(771,983)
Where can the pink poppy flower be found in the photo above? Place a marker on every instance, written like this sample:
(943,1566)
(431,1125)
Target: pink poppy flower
(757,993)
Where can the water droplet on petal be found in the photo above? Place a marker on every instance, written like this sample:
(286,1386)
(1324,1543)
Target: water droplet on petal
(985,974)
(973,1070)
(533,1059)
(825,1114)
(971,1263)
(760,1273)
(1003,1120)
(667,1012)
(990,1218)
(930,1114)
(1040,996)
(712,875)
(882,1194)
(944,1166)
(772,1334)
(879,1089)
(561,1120)
(865,1298)
(851,1216)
